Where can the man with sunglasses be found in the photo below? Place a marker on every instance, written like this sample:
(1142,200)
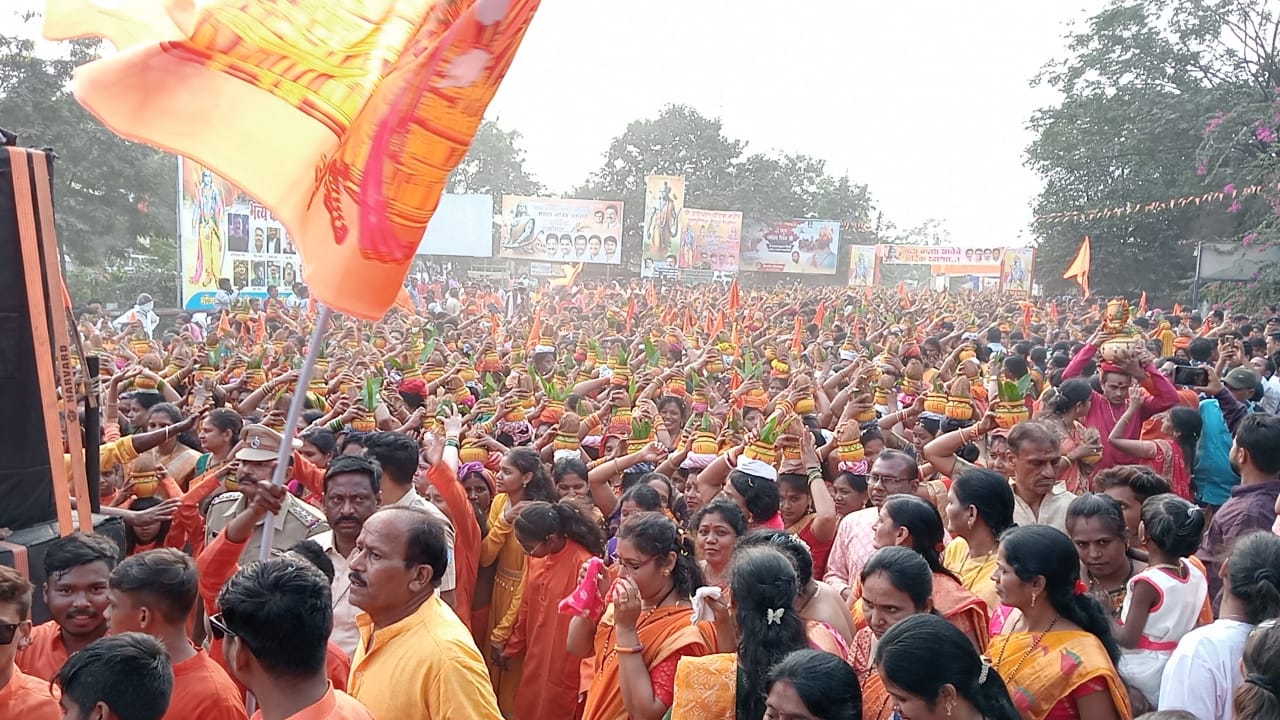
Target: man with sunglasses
(893,473)
(77,570)
(153,593)
(274,626)
(21,696)
(119,677)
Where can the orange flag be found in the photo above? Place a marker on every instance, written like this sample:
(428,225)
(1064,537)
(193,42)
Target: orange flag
(631,312)
(260,332)
(1079,268)
(820,314)
(1142,304)
(224,325)
(688,320)
(352,114)
(797,338)
(405,302)
(735,296)
(718,326)
(571,273)
(534,331)
(1177,308)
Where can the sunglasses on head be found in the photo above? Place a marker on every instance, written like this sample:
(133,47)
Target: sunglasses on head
(219,627)
(7,632)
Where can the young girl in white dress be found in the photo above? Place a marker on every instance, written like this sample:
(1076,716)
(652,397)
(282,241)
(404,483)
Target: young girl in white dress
(1164,601)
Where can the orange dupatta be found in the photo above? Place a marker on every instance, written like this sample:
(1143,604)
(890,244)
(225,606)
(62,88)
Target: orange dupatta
(1049,672)
(876,703)
(664,632)
(706,687)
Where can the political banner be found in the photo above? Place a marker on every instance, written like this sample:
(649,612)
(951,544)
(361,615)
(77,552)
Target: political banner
(709,240)
(663,206)
(462,226)
(560,230)
(810,247)
(1016,269)
(224,233)
(944,259)
(862,266)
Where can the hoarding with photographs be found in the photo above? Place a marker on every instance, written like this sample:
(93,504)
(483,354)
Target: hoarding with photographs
(1017,267)
(863,271)
(224,233)
(560,230)
(808,247)
(663,208)
(709,240)
(944,259)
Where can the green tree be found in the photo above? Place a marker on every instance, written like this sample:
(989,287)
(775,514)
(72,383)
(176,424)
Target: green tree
(718,175)
(495,165)
(1143,77)
(108,192)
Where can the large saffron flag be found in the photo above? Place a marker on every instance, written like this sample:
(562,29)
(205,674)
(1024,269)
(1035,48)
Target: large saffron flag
(343,117)
(1079,268)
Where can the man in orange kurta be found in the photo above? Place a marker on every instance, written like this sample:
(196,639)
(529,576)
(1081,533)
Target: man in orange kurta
(549,687)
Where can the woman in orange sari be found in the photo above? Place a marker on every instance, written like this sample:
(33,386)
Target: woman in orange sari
(896,584)
(764,586)
(1057,655)
(558,538)
(908,521)
(647,627)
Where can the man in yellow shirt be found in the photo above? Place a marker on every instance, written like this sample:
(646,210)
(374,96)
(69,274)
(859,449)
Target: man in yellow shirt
(416,659)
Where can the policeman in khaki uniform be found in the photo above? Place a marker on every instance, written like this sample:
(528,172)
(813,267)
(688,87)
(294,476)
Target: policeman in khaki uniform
(257,452)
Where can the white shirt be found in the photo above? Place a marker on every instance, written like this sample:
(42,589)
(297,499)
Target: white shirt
(1271,395)
(1053,509)
(414,500)
(1204,670)
(345,634)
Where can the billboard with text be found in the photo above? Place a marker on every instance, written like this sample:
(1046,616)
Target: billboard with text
(560,230)
(808,247)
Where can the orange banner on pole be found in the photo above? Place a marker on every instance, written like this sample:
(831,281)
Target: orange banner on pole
(348,117)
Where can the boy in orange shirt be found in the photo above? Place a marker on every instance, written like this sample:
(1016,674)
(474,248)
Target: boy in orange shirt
(153,593)
(77,568)
(21,696)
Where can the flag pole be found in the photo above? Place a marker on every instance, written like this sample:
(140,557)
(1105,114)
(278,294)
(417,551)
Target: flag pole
(291,422)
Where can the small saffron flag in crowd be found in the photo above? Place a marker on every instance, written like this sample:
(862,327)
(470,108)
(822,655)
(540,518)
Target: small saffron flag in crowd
(344,119)
(1079,268)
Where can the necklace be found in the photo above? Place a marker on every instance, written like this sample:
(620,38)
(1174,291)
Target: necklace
(658,604)
(807,597)
(1093,581)
(1034,644)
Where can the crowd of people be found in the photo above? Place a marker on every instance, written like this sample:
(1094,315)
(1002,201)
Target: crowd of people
(635,501)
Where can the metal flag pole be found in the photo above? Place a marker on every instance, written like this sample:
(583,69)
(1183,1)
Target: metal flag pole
(291,422)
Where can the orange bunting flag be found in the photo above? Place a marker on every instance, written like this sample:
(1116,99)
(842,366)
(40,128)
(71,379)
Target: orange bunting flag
(735,296)
(1142,304)
(535,331)
(348,116)
(1079,268)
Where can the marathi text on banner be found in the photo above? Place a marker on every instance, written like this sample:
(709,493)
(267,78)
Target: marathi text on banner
(944,259)
(1017,269)
(560,230)
(792,246)
(223,233)
(663,206)
(709,240)
(862,266)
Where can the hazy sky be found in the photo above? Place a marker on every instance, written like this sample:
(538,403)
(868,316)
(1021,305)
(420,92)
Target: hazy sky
(925,101)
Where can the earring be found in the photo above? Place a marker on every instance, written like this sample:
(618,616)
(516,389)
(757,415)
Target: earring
(1033,598)
(951,704)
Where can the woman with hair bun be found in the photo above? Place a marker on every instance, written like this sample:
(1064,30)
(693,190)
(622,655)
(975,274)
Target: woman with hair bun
(909,521)
(1204,670)
(1058,656)
(932,671)
(979,508)
(1258,697)
(557,538)
(813,685)
(1081,448)
(762,603)
(646,628)
(896,584)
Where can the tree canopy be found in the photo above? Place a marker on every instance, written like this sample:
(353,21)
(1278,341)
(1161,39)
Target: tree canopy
(1140,91)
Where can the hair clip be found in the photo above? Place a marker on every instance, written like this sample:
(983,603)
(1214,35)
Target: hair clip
(774,617)
(986,668)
